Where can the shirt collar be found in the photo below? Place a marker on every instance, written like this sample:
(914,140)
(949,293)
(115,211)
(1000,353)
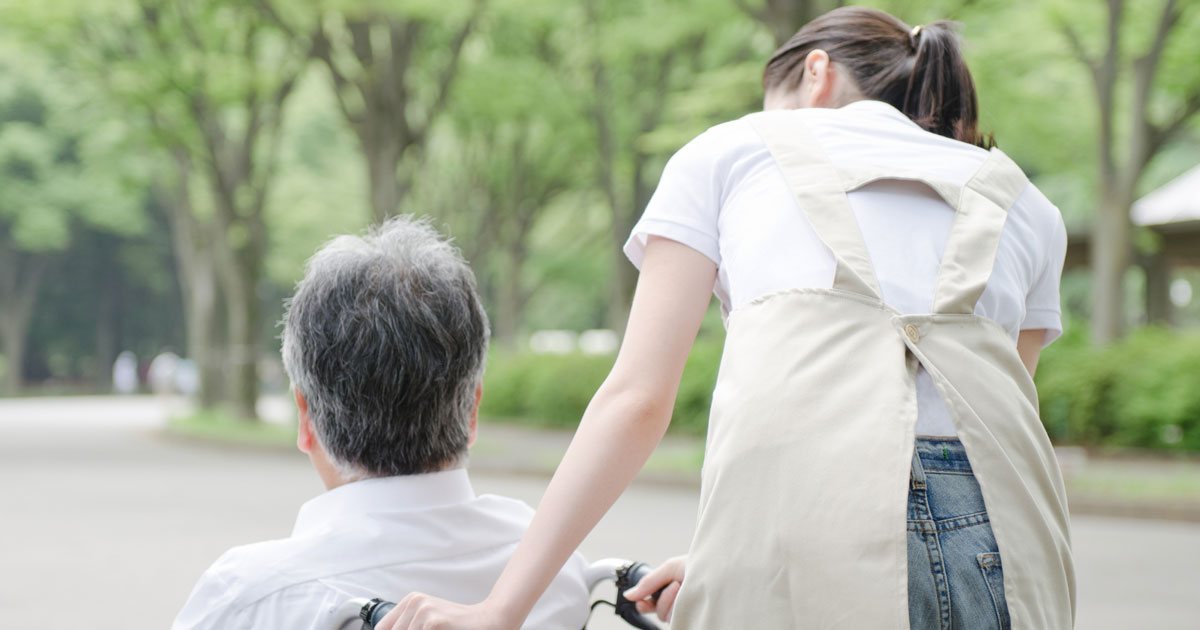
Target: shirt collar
(875,107)
(406,493)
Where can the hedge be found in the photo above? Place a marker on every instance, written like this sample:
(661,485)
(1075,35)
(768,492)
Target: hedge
(1143,392)
(554,390)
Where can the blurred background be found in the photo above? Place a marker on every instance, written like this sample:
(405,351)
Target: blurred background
(166,167)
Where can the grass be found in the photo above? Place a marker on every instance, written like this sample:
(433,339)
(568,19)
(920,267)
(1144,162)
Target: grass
(216,426)
(1133,481)
(1104,478)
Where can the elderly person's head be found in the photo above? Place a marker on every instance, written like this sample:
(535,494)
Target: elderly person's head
(385,342)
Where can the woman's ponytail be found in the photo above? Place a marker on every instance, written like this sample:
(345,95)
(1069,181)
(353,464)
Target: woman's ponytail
(940,96)
(919,71)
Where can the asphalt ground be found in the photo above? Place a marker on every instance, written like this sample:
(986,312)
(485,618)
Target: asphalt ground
(106,522)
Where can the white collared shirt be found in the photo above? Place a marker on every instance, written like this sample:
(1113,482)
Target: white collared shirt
(723,196)
(382,538)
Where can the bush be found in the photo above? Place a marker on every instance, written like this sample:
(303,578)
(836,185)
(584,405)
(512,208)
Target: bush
(1143,392)
(554,390)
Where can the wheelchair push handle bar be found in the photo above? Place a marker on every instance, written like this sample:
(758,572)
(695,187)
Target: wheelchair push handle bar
(374,611)
(628,577)
(625,573)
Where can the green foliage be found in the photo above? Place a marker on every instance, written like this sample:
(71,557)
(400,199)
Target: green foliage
(543,390)
(554,390)
(1143,392)
(515,166)
(319,190)
(53,167)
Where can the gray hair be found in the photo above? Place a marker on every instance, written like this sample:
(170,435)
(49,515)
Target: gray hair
(386,339)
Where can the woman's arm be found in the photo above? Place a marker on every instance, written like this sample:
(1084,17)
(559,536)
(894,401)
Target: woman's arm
(623,423)
(1029,346)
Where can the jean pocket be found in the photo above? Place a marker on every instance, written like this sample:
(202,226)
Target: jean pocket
(993,574)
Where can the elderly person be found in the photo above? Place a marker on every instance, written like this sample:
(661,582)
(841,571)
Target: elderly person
(385,342)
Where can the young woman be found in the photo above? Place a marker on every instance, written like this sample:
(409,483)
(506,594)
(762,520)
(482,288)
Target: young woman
(889,284)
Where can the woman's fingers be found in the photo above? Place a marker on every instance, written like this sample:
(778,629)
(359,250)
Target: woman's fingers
(668,577)
(666,601)
(403,616)
(418,611)
(669,571)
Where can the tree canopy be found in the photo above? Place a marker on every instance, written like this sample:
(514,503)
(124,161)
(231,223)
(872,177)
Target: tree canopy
(191,155)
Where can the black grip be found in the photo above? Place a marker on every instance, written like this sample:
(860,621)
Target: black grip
(627,577)
(374,612)
(639,570)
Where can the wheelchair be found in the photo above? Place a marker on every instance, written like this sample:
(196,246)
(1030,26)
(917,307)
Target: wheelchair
(362,614)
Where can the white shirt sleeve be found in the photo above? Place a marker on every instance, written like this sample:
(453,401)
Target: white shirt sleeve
(212,606)
(685,205)
(1043,308)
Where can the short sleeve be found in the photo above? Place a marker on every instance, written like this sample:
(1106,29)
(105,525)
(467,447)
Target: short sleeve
(212,605)
(686,204)
(1043,308)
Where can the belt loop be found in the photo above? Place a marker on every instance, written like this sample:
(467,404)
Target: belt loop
(918,471)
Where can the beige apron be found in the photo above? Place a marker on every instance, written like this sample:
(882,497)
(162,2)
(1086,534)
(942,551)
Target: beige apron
(802,519)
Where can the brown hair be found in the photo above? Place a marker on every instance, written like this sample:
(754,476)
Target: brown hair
(920,72)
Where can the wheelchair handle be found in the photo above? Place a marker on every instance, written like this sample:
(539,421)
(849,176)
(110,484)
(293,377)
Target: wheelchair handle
(628,577)
(626,574)
(374,611)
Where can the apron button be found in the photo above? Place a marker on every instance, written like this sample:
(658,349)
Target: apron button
(913,334)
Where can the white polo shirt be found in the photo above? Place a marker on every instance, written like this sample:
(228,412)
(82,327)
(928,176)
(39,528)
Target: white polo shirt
(380,538)
(723,196)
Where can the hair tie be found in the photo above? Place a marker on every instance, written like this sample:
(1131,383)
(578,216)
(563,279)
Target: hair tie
(916,32)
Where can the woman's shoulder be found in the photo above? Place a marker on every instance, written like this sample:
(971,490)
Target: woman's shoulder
(1040,213)
(735,138)
(724,139)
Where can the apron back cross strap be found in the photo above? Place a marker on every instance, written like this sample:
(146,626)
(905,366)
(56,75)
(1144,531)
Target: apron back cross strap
(820,189)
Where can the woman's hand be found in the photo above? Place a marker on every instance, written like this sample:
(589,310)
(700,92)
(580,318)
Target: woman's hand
(668,574)
(418,611)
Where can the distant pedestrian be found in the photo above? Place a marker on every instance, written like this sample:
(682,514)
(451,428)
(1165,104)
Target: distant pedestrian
(187,377)
(125,373)
(161,374)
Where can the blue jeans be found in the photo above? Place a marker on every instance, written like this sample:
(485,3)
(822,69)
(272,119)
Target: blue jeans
(955,580)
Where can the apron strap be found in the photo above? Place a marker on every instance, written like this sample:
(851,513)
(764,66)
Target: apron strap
(818,188)
(975,233)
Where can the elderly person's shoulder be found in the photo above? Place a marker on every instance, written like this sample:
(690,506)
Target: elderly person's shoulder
(341,549)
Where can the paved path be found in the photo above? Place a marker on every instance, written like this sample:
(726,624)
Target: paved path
(101,514)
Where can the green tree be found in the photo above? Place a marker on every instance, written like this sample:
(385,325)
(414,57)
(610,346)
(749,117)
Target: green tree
(519,135)
(392,67)
(55,176)
(1146,89)
(784,17)
(210,80)
(637,55)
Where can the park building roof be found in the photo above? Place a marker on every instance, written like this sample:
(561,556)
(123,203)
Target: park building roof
(1178,200)
(1171,212)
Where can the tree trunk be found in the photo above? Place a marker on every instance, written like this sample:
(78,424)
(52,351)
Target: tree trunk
(508,302)
(203,346)
(196,272)
(107,327)
(240,272)
(1158,289)
(625,275)
(19,285)
(1110,258)
(785,17)
(383,151)
(12,336)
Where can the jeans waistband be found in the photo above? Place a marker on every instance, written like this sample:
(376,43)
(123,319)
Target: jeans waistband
(940,455)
